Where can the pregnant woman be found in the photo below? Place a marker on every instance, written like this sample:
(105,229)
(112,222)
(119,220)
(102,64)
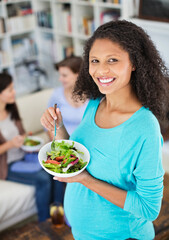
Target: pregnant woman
(120,193)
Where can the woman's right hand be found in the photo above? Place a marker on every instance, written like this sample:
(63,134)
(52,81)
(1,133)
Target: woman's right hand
(17,141)
(48,117)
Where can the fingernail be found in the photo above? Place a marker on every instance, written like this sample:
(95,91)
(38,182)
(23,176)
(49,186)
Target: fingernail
(55,118)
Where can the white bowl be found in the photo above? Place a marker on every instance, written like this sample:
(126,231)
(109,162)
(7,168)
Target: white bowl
(33,148)
(47,148)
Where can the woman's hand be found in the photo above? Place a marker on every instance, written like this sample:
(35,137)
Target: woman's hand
(17,141)
(47,119)
(81,178)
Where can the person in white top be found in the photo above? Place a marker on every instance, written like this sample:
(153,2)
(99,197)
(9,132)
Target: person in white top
(12,136)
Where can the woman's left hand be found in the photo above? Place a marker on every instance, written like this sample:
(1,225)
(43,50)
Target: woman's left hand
(81,178)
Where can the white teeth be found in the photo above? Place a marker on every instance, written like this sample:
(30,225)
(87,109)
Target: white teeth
(106,80)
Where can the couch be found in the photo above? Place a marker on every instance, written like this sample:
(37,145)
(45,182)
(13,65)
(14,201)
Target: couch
(17,200)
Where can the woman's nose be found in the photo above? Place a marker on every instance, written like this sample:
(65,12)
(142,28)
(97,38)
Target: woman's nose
(103,69)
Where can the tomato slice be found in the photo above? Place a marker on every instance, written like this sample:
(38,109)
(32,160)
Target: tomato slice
(59,158)
(52,161)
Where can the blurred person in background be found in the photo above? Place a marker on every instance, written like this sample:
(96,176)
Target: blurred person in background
(72,111)
(15,164)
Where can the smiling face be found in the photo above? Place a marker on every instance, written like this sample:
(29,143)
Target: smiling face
(7,96)
(67,77)
(110,67)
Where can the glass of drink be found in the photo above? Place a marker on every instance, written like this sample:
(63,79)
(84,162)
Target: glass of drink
(57,214)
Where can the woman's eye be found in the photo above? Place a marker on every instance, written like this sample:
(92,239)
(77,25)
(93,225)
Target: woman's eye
(112,60)
(94,61)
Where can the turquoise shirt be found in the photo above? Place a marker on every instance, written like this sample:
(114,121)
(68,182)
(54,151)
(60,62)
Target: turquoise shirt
(129,157)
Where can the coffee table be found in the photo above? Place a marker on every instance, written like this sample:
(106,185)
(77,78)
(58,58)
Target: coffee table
(38,231)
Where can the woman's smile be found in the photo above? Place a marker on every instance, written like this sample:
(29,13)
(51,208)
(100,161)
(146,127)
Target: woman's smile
(106,81)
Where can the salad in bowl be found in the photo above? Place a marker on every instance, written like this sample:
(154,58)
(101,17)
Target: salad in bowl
(32,144)
(64,158)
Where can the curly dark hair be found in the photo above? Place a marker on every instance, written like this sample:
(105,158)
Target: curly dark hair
(149,80)
(5,81)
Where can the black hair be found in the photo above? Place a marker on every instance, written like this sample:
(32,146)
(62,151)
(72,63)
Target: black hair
(5,81)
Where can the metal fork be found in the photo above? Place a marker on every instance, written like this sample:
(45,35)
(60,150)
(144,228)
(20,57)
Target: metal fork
(55,106)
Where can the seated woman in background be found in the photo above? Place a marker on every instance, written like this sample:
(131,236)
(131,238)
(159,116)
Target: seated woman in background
(72,111)
(12,136)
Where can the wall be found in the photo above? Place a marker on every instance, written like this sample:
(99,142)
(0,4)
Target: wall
(159,33)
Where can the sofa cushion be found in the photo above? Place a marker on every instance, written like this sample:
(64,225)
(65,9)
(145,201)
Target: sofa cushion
(44,136)
(31,108)
(15,200)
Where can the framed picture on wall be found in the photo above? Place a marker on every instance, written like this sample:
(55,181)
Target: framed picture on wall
(154,10)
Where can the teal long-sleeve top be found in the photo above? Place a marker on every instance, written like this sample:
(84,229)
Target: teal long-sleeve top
(129,157)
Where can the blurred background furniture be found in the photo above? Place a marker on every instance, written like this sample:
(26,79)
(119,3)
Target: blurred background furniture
(31,108)
(27,26)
